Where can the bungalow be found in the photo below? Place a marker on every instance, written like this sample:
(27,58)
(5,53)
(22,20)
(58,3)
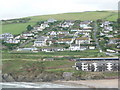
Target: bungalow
(27,49)
(67,24)
(41,41)
(18,37)
(109,50)
(38,28)
(47,50)
(74,30)
(102,34)
(41,27)
(58,49)
(92,47)
(51,20)
(53,49)
(84,31)
(61,35)
(85,25)
(6,36)
(106,31)
(49,42)
(82,40)
(63,32)
(67,41)
(110,36)
(88,27)
(113,40)
(27,34)
(86,35)
(75,47)
(53,33)
(106,23)
(44,25)
(14,41)
(85,22)
(109,28)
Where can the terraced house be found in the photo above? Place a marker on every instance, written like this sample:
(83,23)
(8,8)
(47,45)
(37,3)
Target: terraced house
(82,40)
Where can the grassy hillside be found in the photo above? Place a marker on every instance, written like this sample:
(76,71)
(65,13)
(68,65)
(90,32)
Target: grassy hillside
(15,28)
(94,15)
(76,16)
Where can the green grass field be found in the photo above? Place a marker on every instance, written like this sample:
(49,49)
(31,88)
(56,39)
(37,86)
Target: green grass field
(15,28)
(49,65)
(112,18)
(94,15)
(56,55)
(76,16)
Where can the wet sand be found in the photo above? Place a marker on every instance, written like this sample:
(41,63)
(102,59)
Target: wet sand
(106,83)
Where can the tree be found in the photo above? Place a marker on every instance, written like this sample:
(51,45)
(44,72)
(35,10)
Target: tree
(29,27)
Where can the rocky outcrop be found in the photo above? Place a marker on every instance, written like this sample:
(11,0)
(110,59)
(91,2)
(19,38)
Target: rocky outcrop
(7,78)
(48,77)
(43,77)
(67,75)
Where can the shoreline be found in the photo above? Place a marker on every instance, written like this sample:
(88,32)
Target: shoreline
(104,83)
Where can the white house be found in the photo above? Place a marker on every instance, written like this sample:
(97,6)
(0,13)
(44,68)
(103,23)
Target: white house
(67,24)
(63,32)
(18,37)
(109,50)
(110,36)
(14,41)
(27,49)
(39,28)
(27,34)
(53,49)
(44,25)
(91,47)
(106,23)
(41,41)
(6,36)
(51,20)
(67,41)
(86,35)
(47,50)
(85,25)
(75,47)
(109,28)
(53,33)
(84,31)
(82,40)
(113,40)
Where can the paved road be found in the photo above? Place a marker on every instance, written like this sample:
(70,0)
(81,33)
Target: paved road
(23,44)
(95,38)
(97,42)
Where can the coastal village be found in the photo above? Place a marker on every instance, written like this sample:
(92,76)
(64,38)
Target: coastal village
(61,50)
(57,44)
(67,35)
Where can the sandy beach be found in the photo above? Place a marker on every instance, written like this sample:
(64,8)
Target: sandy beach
(106,83)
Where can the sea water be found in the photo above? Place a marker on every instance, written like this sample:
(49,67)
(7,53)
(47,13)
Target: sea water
(38,85)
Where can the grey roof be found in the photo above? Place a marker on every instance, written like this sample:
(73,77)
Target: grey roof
(41,38)
(74,44)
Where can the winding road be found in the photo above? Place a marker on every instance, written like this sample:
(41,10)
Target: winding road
(97,42)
